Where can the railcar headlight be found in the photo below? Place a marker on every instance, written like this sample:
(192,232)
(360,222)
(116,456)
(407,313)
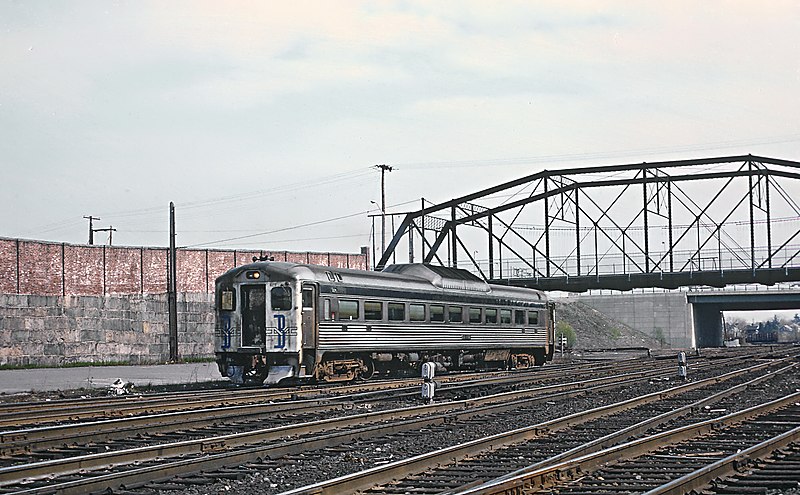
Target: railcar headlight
(253,275)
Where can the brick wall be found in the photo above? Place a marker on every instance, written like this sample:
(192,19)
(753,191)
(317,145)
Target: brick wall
(57,269)
(8,267)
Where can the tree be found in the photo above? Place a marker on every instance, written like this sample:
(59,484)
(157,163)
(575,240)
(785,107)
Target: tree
(772,325)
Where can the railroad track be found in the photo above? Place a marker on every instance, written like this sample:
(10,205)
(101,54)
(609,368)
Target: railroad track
(60,442)
(143,465)
(19,415)
(547,443)
(676,461)
(54,442)
(778,471)
(28,414)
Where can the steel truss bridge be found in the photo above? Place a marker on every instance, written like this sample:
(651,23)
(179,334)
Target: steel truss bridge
(710,221)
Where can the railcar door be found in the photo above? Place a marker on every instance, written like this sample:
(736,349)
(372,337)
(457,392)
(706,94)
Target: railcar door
(310,328)
(254,315)
(551,329)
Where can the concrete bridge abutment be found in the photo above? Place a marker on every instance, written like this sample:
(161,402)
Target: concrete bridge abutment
(687,319)
(664,316)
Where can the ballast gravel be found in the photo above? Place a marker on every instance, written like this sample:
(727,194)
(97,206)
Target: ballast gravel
(314,466)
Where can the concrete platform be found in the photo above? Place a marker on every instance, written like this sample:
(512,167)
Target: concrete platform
(100,377)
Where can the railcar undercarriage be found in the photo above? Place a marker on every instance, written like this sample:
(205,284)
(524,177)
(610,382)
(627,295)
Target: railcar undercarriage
(340,367)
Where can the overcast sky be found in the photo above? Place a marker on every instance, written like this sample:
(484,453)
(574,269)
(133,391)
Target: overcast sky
(258,117)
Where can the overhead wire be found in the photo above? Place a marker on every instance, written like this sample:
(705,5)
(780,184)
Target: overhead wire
(295,227)
(257,234)
(159,210)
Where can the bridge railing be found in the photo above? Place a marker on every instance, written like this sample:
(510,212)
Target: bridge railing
(619,265)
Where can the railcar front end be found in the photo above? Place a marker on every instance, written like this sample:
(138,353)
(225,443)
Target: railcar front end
(257,325)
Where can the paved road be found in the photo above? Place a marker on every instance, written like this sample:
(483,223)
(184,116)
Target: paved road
(50,379)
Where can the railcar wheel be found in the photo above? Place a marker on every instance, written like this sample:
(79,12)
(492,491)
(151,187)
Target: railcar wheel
(367,370)
(254,378)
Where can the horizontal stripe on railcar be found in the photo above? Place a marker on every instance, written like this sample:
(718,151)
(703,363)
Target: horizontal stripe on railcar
(357,337)
(438,297)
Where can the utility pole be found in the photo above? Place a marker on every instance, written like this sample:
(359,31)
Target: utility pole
(91,230)
(172,289)
(110,230)
(383,169)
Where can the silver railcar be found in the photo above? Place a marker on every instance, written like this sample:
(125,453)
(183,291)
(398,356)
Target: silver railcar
(278,321)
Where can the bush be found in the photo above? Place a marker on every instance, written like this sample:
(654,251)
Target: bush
(658,334)
(565,329)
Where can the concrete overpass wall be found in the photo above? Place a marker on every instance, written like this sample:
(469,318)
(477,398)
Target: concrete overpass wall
(661,314)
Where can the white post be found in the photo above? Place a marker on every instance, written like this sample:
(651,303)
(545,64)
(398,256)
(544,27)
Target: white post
(682,365)
(428,386)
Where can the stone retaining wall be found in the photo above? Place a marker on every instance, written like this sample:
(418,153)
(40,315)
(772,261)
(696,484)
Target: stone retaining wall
(58,330)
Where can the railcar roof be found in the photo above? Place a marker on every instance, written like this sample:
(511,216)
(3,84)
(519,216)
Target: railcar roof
(415,276)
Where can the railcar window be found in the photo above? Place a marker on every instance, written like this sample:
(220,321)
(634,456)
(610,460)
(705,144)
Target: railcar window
(519,317)
(505,316)
(281,298)
(326,308)
(437,312)
(226,300)
(373,310)
(348,309)
(533,317)
(308,298)
(456,314)
(397,311)
(491,316)
(416,312)
(474,315)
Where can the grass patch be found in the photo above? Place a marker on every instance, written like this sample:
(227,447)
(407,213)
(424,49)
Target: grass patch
(198,360)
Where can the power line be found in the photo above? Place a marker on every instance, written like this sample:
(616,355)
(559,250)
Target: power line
(311,224)
(250,236)
(282,189)
(279,241)
(158,210)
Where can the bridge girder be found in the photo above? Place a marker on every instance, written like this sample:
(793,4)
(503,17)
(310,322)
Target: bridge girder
(660,218)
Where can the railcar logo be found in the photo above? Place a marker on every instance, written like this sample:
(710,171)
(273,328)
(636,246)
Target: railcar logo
(226,332)
(281,331)
(281,321)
